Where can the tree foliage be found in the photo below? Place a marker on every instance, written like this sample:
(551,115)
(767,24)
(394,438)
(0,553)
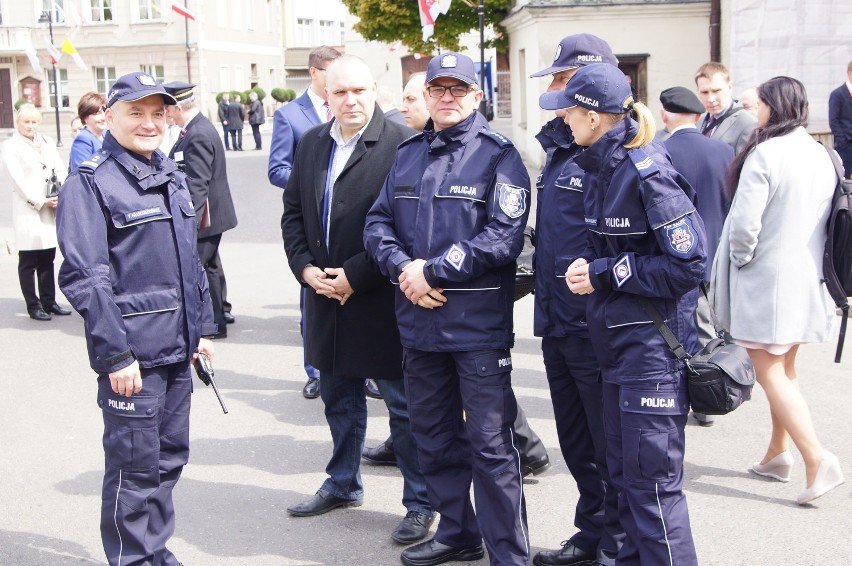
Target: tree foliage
(399,20)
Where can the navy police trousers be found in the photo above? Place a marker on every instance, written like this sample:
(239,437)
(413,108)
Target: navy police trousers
(644,426)
(146,445)
(462,408)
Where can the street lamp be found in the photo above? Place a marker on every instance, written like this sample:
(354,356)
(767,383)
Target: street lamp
(47,16)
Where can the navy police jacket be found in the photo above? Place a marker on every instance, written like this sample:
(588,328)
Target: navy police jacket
(126,228)
(459,199)
(560,235)
(647,209)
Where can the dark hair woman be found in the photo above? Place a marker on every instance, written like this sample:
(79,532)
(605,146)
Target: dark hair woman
(90,108)
(767,276)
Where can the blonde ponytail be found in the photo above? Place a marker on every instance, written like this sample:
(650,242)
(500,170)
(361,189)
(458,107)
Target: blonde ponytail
(647,126)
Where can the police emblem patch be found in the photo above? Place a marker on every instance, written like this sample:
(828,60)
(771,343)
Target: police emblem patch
(558,52)
(680,237)
(513,200)
(622,271)
(455,257)
(449,61)
(146,80)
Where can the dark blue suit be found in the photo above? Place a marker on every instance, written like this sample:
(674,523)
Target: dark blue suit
(840,122)
(704,163)
(291,121)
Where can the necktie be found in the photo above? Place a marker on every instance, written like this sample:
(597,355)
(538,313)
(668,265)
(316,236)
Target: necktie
(709,125)
(328,115)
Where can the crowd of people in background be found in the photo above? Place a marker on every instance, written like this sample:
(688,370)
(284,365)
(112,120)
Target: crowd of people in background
(412,244)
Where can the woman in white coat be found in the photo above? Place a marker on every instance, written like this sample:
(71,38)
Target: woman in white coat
(30,162)
(767,275)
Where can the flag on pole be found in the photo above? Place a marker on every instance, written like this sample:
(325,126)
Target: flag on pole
(31,55)
(395,45)
(54,53)
(429,12)
(182,11)
(68,48)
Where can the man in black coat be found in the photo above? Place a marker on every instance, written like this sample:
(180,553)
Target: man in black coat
(840,120)
(199,153)
(339,169)
(223,117)
(236,117)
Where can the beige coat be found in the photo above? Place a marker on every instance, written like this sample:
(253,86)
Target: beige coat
(27,166)
(767,284)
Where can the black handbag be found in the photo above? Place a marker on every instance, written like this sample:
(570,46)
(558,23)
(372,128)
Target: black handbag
(720,376)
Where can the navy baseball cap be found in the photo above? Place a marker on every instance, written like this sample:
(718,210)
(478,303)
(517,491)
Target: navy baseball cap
(600,87)
(136,86)
(578,51)
(453,65)
(681,100)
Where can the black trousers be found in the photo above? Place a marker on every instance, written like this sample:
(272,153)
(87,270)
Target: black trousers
(227,141)
(208,253)
(38,264)
(255,131)
(237,139)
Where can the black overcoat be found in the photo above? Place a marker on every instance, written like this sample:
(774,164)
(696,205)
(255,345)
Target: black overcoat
(359,339)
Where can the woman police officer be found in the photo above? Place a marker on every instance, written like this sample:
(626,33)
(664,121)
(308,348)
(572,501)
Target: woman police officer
(645,240)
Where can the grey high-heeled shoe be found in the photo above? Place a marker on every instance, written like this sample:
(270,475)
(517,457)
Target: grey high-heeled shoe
(828,477)
(778,468)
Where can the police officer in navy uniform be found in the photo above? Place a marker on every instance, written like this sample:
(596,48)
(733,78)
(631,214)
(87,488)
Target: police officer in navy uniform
(447,227)
(126,226)
(646,240)
(573,372)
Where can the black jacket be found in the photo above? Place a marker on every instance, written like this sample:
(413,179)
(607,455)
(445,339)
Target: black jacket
(359,339)
(201,155)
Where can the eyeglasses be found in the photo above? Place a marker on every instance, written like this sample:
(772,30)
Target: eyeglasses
(458,91)
(319,68)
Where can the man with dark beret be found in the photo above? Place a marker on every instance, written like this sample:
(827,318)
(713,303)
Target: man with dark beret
(703,161)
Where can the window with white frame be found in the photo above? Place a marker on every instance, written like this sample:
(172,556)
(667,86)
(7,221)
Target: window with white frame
(56,9)
(326,32)
(156,71)
(304,32)
(104,79)
(64,96)
(342,34)
(149,10)
(101,10)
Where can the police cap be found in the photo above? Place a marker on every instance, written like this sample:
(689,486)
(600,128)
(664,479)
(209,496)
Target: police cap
(136,86)
(179,89)
(454,65)
(599,86)
(578,51)
(681,100)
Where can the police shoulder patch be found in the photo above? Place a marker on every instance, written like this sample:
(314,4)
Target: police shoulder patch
(680,237)
(512,199)
(501,140)
(643,162)
(95,161)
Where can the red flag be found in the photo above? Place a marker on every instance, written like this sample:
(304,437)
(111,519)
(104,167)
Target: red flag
(182,11)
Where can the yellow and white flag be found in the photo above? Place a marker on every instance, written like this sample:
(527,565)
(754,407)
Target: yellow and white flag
(68,48)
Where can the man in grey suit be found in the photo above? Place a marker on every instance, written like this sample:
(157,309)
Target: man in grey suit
(725,120)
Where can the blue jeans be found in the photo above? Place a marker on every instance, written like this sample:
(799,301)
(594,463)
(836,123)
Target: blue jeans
(346,413)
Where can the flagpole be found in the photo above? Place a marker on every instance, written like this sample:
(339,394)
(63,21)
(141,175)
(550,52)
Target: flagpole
(186,37)
(47,14)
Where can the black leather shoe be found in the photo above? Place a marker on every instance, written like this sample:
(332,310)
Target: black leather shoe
(311,389)
(229,318)
(433,552)
(320,503)
(221,335)
(536,467)
(381,455)
(372,389)
(39,314)
(56,309)
(414,527)
(568,554)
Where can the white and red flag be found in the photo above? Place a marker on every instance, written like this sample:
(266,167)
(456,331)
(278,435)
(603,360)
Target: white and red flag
(182,11)
(429,12)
